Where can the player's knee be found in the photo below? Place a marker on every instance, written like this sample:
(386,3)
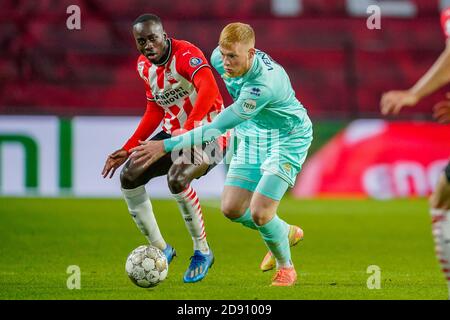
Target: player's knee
(259,219)
(128,179)
(178,181)
(259,215)
(439,201)
(440,198)
(230,211)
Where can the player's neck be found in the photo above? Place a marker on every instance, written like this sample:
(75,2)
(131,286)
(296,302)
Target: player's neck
(249,67)
(166,55)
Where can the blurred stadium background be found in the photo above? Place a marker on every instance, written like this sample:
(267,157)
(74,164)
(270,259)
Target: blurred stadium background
(59,87)
(68,98)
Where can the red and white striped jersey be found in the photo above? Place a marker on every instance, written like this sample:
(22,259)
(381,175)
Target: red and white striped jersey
(170,84)
(445,22)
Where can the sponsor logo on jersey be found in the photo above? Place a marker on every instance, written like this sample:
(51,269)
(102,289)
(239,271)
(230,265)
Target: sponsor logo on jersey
(195,61)
(287,167)
(249,105)
(170,97)
(256,91)
(169,75)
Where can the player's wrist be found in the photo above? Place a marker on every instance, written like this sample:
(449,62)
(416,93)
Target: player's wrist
(179,131)
(414,96)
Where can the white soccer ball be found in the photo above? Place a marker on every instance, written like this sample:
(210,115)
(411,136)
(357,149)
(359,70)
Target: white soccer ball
(147,266)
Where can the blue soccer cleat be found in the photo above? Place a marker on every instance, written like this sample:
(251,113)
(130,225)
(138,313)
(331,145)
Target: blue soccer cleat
(199,266)
(169,252)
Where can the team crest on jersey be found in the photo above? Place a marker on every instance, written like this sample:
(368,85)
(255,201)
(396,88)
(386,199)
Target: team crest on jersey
(195,61)
(249,105)
(169,76)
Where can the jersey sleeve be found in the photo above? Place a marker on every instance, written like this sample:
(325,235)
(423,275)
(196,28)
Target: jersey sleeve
(445,22)
(189,61)
(153,116)
(216,61)
(251,100)
(142,71)
(207,93)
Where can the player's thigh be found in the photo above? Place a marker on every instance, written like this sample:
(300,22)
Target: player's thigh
(440,199)
(192,164)
(235,201)
(133,175)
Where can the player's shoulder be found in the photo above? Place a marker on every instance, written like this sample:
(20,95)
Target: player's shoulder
(258,87)
(142,63)
(445,13)
(142,59)
(216,59)
(184,48)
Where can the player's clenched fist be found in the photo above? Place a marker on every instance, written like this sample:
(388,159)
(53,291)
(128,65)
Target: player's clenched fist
(114,161)
(393,101)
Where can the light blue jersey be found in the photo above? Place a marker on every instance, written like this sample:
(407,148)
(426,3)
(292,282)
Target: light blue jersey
(274,129)
(278,132)
(264,95)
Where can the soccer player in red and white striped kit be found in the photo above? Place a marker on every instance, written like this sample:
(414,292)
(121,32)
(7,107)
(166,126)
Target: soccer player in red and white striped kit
(393,101)
(181,93)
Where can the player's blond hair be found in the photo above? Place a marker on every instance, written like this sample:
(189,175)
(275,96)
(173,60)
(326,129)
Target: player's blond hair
(237,32)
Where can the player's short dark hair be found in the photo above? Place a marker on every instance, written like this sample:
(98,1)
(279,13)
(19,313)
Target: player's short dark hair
(148,17)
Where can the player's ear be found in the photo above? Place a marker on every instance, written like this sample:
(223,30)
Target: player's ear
(165,36)
(251,52)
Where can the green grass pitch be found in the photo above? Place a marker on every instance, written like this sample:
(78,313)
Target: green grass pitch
(40,238)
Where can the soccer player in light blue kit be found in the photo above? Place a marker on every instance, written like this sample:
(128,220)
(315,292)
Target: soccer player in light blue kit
(275,133)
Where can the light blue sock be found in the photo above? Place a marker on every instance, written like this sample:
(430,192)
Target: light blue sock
(275,235)
(246,220)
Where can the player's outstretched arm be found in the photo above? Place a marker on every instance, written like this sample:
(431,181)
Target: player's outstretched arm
(150,151)
(436,77)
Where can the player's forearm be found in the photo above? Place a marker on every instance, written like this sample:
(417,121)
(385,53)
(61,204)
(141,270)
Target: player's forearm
(436,77)
(226,120)
(149,122)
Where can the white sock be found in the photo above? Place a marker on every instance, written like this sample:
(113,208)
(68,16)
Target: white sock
(441,235)
(192,214)
(141,210)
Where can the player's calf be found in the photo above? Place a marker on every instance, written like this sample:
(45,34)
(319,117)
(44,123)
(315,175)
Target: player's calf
(295,236)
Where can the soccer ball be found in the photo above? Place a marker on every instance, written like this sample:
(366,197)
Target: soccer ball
(147,266)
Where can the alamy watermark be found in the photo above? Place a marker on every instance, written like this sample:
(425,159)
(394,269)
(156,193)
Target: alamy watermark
(374,20)
(74,280)
(252,149)
(374,280)
(73,22)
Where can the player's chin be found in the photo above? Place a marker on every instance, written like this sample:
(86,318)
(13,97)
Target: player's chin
(153,58)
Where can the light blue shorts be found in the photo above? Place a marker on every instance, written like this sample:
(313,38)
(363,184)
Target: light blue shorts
(270,169)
